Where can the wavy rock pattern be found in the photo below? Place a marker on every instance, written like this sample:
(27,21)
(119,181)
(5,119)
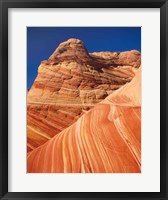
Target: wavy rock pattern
(71,82)
(105,139)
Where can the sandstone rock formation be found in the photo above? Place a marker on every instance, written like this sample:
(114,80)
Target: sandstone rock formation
(105,139)
(71,82)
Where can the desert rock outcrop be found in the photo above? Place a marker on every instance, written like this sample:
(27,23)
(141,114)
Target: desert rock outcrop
(105,139)
(71,82)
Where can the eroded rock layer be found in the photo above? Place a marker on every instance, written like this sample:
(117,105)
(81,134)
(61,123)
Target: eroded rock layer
(71,82)
(105,139)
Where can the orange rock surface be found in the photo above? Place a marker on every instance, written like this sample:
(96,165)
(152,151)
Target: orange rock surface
(106,139)
(71,82)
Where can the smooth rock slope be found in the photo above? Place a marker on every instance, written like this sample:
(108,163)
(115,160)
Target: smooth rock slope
(106,139)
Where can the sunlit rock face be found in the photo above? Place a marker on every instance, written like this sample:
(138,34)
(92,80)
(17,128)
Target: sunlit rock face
(71,82)
(106,139)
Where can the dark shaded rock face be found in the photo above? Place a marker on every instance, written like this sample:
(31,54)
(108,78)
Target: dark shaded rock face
(71,82)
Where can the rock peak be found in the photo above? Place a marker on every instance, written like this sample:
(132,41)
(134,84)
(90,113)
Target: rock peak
(73,41)
(70,48)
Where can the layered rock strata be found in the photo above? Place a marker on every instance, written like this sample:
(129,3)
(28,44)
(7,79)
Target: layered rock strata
(106,139)
(71,82)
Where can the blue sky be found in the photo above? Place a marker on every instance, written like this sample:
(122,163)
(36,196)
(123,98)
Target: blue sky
(42,41)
